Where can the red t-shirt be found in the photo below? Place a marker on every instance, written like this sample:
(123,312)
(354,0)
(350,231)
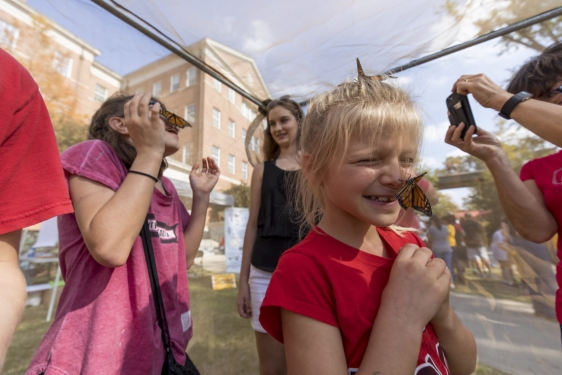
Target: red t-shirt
(547,173)
(410,219)
(31,176)
(106,319)
(327,280)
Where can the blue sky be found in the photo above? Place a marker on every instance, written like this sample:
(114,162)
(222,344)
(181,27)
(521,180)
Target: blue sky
(123,50)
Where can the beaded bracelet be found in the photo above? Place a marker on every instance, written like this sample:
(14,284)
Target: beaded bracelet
(144,174)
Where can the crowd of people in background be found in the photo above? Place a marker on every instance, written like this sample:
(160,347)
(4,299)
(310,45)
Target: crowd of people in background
(325,232)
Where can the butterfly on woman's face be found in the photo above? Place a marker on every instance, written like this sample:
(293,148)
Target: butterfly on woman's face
(171,117)
(411,195)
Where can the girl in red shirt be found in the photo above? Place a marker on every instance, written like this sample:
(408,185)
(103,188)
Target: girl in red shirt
(358,296)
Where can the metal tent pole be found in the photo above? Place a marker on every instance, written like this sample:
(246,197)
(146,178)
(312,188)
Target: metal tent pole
(176,49)
(481,39)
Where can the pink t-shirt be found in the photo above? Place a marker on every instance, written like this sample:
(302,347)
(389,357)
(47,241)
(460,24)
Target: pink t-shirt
(547,173)
(106,321)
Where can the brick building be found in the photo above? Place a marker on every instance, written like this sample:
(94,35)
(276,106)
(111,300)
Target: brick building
(45,47)
(220,116)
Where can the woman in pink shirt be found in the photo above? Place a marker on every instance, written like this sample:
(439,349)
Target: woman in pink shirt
(106,320)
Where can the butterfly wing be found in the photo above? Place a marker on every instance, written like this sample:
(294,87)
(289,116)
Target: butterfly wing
(420,201)
(174,119)
(411,195)
(404,195)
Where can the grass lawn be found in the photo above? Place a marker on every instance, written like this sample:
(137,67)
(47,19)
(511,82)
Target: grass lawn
(223,343)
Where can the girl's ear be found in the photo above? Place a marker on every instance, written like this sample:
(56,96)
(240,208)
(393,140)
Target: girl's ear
(118,125)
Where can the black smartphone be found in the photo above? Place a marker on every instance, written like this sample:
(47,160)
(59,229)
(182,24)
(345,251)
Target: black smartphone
(459,111)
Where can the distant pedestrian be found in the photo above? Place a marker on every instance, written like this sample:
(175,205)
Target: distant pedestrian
(475,239)
(500,239)
(438,242)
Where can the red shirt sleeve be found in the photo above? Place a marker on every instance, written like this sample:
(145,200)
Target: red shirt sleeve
(297,285)
(31,177)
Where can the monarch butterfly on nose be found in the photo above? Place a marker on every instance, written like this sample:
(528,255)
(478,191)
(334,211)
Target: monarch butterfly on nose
(411,195)
(171,117)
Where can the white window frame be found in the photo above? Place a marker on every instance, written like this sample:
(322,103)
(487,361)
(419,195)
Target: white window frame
(174,82)
(244,170)
(62,64)
(231,164)
(217,84)
(190,113)
(243,135)
(101,93)
(8,34)
(231,95)
(231,128)
(157,89)
(185,154)
(191,78)
(216,154)
(216,118)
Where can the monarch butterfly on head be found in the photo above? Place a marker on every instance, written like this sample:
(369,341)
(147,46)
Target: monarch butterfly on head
(411,195)
(171,117)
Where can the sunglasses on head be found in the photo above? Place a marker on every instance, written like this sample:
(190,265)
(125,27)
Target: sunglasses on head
(171,117)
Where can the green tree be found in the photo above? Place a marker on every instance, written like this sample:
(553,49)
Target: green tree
(58,92)
(444,206)
(483,194)
(241,194)
(536,37)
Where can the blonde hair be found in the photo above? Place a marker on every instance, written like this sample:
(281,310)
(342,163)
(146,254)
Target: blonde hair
(365,108)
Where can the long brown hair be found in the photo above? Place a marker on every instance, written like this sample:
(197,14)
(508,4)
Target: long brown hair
(100,129)
(270,148)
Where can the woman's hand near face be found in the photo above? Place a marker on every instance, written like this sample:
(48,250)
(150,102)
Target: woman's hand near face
(204,180)
(144,125)
(485,146)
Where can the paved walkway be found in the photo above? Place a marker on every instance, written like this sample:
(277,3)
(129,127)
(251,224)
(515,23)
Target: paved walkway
(509,336)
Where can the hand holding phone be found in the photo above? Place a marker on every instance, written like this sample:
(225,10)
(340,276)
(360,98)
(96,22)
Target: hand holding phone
(459,111)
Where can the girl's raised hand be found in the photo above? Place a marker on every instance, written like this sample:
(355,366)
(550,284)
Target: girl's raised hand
(144,125)
(204,180)
(418,286)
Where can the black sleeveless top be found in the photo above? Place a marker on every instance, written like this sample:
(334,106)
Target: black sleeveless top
(277,226)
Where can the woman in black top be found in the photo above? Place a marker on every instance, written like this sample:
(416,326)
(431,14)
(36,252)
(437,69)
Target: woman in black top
(271,228)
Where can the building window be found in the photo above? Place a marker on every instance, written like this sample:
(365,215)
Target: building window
(8,34)
(243,135)
(217,84)
(231,95)
(185,154)
(156,89)
(190,113)
(231,128)
(191,77)
(100,94)
(244,170)
(250,79)
(216,118)
(248,112)
(231,164)
(254,144)
(175,82)
(216,154)
(62,64)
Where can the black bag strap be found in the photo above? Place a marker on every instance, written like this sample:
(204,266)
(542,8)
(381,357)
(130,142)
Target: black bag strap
(155,284)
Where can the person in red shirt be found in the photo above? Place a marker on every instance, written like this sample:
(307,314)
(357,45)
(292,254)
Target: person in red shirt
(32,181)
(359,295)
(532,201)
